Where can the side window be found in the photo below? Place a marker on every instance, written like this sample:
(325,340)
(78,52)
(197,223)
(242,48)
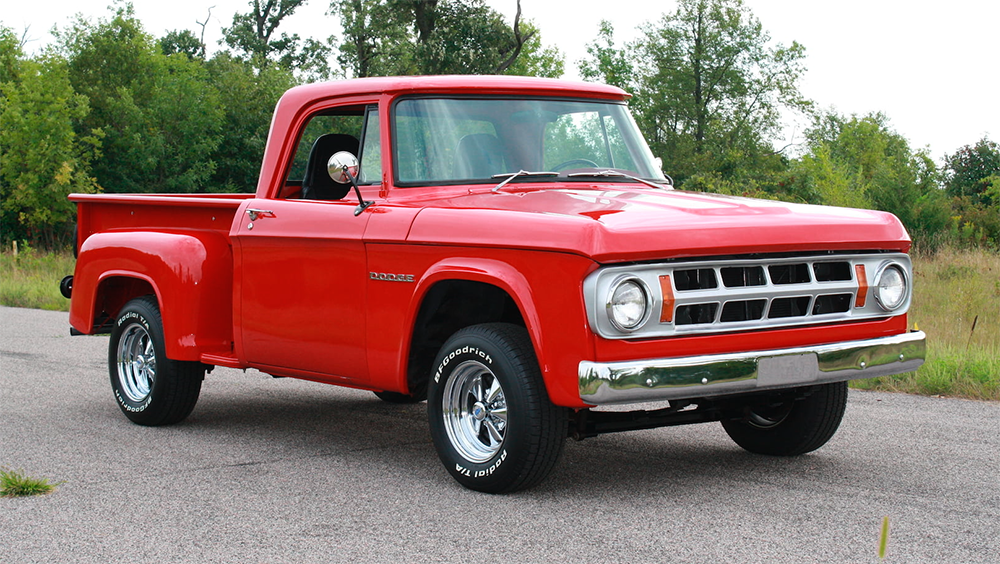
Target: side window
(344,129)
(371,150)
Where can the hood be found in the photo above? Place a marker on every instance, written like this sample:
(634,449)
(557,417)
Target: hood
(612,224)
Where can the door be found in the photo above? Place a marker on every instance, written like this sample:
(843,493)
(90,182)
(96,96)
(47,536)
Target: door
(301,267)
(303,277)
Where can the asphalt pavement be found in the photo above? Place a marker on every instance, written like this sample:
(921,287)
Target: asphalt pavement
(285,471)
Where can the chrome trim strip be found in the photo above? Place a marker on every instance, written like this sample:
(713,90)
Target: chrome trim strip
(714,375)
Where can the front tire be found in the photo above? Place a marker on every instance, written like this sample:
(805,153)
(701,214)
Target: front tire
(491,419)
(149,388)
(791,427)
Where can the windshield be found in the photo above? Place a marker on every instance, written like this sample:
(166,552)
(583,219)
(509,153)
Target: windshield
(464,140)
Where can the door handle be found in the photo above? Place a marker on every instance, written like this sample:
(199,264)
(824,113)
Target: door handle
(254,213)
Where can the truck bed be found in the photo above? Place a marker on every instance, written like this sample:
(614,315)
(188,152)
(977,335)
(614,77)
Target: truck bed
(123,212)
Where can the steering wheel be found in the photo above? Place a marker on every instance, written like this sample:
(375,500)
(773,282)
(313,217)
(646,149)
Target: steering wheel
(567,164)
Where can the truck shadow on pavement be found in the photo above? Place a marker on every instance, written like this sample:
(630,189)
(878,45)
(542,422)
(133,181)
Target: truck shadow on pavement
(354,428)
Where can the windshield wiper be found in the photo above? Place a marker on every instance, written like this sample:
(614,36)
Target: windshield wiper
(508,176)
(619,174)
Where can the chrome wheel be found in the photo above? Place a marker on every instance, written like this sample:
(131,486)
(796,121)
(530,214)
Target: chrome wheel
(475,411)
(136,363)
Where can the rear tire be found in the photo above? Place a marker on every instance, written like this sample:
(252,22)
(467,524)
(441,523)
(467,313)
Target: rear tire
(791,427)
(491,420)
(150,388)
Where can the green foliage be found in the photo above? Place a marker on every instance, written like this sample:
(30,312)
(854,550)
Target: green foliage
(405,37)
(377,39)
(709,87)
(182,41)
(861,162)
(43,158)
(254,37)
(247,107)
(467,38)
(607,63)
(16,484)
(973,170)
(31,279)
(972,178)
(534,59)
(10,56)
(160,115)
(957,303)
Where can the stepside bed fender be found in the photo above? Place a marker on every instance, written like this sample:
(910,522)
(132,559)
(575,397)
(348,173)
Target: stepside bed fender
(191,275)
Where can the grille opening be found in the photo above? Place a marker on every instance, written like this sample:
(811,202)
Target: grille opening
(832,271)
(696,314)
(695,279)
(749,310)
(789,273)
(832,303)
(742,276)
(789,307)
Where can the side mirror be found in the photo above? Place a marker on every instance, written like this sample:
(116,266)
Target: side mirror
(343,168)
(335,166)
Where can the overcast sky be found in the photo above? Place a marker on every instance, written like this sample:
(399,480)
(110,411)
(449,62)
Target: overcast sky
(932,67)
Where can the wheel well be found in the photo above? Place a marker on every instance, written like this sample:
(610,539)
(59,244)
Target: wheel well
(451,305)
(112,295)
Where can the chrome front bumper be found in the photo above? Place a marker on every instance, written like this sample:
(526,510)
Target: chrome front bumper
(722,374)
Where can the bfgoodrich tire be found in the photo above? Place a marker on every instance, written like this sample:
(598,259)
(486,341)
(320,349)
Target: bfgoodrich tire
(791,427)
(150,388)
(491,420)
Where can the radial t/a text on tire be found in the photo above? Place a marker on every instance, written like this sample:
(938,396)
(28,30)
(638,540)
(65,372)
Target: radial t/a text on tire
(150,388)
(491,419)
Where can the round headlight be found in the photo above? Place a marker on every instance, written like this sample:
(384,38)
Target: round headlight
(627,305)
(890,287)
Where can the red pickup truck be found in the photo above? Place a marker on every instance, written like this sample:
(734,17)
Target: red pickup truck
(508,249)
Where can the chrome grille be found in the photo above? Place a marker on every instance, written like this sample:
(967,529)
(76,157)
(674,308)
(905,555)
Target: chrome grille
(737,295)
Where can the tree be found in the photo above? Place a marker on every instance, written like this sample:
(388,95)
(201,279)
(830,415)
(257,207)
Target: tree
(182,41)
(247,107)
(10,55)
(466,37)
(973,170)
(42,159)
(160,114)
(398,37)
(377,39)
(607,63)
(254,37)
(861,162)
(708,85)
(536,60)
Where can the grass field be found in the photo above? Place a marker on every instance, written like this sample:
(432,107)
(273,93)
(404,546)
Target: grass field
(31,279)
(957,303)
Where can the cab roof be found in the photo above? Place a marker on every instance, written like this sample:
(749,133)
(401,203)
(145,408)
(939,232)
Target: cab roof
(453,84)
